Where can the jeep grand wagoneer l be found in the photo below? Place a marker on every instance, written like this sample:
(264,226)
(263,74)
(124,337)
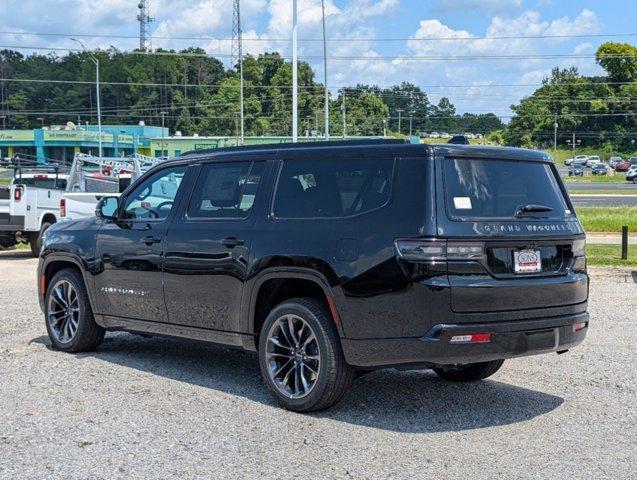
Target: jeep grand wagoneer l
(331,258)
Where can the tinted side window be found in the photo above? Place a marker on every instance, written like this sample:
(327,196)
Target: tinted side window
(225,190)
(332,188)
(154,197)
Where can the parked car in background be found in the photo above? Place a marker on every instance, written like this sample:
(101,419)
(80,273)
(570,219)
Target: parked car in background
(622,166)
(632,161)
(631,174)
(580,160)
(613,161)
(568,162)
(600,169)
(593,160)
(576,170)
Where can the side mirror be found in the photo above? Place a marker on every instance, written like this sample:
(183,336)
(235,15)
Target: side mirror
(107,207)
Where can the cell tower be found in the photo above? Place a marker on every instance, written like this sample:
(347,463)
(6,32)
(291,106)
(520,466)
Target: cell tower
(236,50)
(144,19)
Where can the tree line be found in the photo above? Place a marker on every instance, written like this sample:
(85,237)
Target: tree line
(194,93)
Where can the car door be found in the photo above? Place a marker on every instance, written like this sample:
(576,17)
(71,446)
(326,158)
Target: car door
(129,250)
(208,246)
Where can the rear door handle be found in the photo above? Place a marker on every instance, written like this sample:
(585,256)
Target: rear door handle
(150,240)
(232,242)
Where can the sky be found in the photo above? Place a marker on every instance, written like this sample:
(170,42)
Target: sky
(382,42)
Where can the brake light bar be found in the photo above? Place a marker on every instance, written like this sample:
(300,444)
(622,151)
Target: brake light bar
(472,338)
(436,249)
(62,207)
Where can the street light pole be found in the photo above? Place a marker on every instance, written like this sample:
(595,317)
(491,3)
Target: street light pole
(295,75)
(327,93)
(97,92)
(411,119)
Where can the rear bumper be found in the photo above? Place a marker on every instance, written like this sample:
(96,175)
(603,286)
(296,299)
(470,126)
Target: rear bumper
(508,340)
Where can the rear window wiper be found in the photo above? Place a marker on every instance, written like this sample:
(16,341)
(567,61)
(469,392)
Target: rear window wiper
(521,211)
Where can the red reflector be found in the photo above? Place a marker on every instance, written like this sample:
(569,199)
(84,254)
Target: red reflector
(42,284)
(480,338)
(473,338)
(62,207)
(579,326)
(17,194)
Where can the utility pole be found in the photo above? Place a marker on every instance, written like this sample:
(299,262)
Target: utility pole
(295,75)
(400,112)
(163,143)
(237,56)
(411,119)
(327,93)
(555,125)
(344,113)
(97,93)
(384,127)
(144,20)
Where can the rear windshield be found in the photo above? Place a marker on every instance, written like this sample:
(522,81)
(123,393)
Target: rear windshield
(499,188)
(50,182)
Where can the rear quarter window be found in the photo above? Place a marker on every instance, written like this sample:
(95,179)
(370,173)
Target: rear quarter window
(324,188)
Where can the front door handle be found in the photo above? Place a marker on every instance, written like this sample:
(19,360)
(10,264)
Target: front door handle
(150,240)
(232,242)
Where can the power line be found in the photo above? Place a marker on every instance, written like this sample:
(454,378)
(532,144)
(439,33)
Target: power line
(349,89)
(352,57)
(345,39)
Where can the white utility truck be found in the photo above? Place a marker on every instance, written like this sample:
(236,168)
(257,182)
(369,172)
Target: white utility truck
(31,202)
(91,178)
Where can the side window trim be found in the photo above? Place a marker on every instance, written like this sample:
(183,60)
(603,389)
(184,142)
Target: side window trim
(122,206)
(187,218)
(281,162)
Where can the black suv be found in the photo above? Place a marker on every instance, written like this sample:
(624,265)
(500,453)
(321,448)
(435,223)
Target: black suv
(330,259)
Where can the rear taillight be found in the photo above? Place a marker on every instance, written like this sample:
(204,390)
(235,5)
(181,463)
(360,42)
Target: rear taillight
(17,194)
(428,250)
(579,256)
(63,207)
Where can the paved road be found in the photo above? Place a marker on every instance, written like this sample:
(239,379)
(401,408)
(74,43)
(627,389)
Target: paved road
(572,186)
(158,408)
(583,200)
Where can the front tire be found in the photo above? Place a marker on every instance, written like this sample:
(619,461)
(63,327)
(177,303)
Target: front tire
(68,315)
(301,358)
(469,373)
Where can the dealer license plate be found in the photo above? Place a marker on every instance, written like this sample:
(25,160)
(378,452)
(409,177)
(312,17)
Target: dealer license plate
(527,261)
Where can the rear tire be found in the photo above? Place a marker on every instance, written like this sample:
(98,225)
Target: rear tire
(35,239)
(303,380)
(68,314)
(469,373)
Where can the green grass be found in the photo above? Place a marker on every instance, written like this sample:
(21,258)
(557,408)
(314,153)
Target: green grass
(619,178)
(5,181)
(611,255)
(608,219)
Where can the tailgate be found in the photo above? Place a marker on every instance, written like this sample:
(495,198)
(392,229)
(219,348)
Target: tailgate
(492,284)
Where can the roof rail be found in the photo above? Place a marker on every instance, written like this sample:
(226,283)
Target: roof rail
(289,145)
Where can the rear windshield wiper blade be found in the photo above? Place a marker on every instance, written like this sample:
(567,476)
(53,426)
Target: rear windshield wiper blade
(531,209)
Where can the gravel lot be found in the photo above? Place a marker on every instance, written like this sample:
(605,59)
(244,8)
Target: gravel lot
(157,408)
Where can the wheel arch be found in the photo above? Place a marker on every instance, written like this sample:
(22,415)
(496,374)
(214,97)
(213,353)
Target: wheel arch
(53,263)
(278,284)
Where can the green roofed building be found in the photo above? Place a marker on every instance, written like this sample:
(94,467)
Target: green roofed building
(61,143)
